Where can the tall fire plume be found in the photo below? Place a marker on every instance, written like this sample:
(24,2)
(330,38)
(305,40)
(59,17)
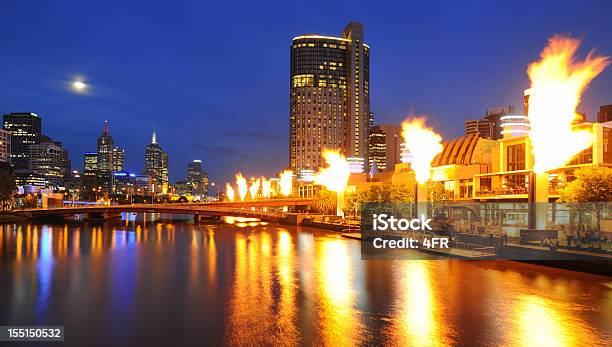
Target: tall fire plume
(335,176)
(254,188)
(242,186)
(557,83)
(286,182)
(424,144)
(266,187)
(229,191)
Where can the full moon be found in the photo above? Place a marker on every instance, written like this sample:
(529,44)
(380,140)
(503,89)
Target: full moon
(79,85)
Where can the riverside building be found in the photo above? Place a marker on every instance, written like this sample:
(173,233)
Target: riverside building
(329,97)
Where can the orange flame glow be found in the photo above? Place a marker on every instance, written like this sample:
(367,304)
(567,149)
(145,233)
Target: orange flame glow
(254,188)
(286,182)
(242,186)
(424,144)
(229,191)
(335,176)
(266,187)
(557,82)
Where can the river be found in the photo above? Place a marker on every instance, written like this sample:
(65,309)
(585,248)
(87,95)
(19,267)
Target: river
(161,280)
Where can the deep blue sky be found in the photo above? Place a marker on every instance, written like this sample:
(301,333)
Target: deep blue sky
(214,76)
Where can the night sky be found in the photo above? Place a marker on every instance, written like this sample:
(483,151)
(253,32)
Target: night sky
(214,76)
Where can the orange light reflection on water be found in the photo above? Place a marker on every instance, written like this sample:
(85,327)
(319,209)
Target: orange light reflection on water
(293,287)
(336,299)
(286,272)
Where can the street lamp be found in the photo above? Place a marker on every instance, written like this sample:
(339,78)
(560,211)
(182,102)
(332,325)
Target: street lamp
(214,185)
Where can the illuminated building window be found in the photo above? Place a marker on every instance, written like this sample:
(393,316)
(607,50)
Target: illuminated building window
(516,157)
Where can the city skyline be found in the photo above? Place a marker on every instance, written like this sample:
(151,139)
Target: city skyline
(190,96)
(306,173)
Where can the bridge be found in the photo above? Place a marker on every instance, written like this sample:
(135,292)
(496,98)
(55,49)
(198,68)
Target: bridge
(251,209)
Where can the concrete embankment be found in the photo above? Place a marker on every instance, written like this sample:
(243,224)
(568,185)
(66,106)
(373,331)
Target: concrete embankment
(597,263)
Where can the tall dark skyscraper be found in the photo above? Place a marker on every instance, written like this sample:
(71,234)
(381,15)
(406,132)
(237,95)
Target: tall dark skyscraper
(25,130)
(197,177)
(385,141)
(105,163)
(90,179)
(105,150)
(329,97)
(156,165)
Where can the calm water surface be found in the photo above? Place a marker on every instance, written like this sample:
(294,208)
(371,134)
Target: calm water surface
(163,281)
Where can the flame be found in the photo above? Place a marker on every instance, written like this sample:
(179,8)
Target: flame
(229,191)
(266,187)
(424,144)
(254,188)
(336,175)
(286,182)
(242,186)
(557,82)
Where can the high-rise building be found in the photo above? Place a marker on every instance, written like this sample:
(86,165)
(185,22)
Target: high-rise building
(156,165)
(25,128)
(105,150)
(118,159)
(385,143)
(48,159)
(194,171)
(482,127)
(90,178)
(67,165)
(197,177)
(5,146)
(490,126)
(604,114)
(329,97)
